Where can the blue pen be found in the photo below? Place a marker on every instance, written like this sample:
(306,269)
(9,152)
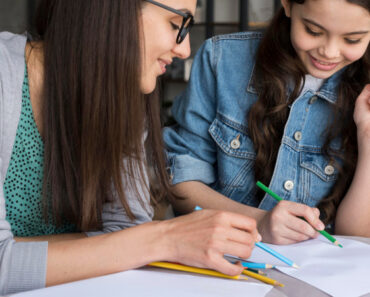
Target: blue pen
(269,250)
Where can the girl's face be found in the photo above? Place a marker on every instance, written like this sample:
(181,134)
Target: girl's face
(328,34)
(159,47)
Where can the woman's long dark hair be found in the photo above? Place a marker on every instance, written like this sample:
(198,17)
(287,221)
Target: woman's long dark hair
(93,113)
(276,65)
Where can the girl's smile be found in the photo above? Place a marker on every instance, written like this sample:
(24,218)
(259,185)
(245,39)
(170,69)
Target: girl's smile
(322,65)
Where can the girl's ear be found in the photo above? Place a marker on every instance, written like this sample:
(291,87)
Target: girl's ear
(287,7)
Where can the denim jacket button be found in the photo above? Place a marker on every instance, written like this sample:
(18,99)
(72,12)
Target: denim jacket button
(298,136)
(329,170)
(313,99)
(235,143)
(288,185)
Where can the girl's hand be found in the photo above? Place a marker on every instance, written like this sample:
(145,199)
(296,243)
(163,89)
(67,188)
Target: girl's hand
(362,116)
(202,238)
(284,223)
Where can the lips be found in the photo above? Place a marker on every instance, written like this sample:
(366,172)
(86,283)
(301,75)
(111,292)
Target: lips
(322,65)
(163,64)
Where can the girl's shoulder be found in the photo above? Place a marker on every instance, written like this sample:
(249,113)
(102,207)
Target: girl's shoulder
(249,40)
(240,46)
(247,35)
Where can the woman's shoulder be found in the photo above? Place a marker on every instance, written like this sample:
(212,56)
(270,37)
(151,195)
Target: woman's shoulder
(12,67)
(12,44)
(12,51)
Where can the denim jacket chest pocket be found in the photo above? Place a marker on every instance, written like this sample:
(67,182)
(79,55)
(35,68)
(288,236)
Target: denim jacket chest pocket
(235,157)
(318,177)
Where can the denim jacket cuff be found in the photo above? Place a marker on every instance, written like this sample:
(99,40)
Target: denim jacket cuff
(186,168)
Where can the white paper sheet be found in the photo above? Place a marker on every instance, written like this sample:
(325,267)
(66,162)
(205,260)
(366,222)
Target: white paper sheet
(153,282)
(340,272)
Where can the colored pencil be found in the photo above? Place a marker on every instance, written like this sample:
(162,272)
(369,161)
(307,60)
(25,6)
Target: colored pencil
(248,264)
(277,255)
(257,265)
(278,198)
(269,250)
(256,271)
(262,278)
(180,267)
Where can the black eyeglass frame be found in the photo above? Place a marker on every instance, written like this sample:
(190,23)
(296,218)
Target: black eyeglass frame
(188,19)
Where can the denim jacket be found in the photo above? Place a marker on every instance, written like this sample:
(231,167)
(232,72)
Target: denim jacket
(210,142)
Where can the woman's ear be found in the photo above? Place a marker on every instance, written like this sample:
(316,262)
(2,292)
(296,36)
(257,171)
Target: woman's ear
(287,7)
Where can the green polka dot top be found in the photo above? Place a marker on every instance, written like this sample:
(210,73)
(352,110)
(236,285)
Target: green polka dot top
(24,179)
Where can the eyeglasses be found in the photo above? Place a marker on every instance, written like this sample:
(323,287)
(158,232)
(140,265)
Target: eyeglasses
(187,22)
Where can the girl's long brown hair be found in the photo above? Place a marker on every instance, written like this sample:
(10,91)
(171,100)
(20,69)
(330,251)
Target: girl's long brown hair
(276,65)
(94,115)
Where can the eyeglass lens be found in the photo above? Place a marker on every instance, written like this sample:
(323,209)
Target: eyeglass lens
(187,23)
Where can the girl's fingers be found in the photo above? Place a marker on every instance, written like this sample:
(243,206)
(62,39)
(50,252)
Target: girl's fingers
(295,229)
(309,214)
(300,231)
(364,95)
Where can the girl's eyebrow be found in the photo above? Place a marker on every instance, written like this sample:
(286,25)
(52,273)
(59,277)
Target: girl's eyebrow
(321,27)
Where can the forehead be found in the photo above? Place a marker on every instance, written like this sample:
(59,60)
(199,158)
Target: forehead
(339,15)
(188,5)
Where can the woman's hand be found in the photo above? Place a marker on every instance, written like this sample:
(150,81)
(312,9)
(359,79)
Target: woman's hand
(284,223)
(203,237)
(362,117)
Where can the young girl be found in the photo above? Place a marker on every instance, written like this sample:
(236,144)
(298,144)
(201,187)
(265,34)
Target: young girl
(277,108)
(76,105)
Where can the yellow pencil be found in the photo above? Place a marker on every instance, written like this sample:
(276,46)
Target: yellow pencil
(262,278)
(181,267)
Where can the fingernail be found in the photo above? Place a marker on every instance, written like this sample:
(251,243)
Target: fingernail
(320,226)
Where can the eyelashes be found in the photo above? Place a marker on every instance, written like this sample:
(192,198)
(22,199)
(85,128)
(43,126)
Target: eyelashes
(313,33)
(352,41)
(316,34)
(174,26)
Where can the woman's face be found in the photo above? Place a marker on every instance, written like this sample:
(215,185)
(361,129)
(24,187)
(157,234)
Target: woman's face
(328,34)
(160,29)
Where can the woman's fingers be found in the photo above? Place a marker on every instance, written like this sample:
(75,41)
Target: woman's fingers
(224,266)
(235,221)
(203,237)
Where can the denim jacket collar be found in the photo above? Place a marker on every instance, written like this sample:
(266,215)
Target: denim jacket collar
(327,90)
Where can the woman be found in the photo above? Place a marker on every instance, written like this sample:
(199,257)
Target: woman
(277,108)
(76,105)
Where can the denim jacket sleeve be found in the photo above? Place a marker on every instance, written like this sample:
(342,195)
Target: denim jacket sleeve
(190,150)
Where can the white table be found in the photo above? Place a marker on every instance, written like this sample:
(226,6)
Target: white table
(167,283)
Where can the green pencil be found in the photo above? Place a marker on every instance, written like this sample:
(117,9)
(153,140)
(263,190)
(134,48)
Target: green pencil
(278,198)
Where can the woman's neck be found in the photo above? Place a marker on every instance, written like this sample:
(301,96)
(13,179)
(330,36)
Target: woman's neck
(35,69)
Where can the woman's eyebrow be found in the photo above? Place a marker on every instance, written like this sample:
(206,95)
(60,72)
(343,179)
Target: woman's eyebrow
(185,10)
(321,27)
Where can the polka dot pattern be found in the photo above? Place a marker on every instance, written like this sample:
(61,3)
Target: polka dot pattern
(23,183)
